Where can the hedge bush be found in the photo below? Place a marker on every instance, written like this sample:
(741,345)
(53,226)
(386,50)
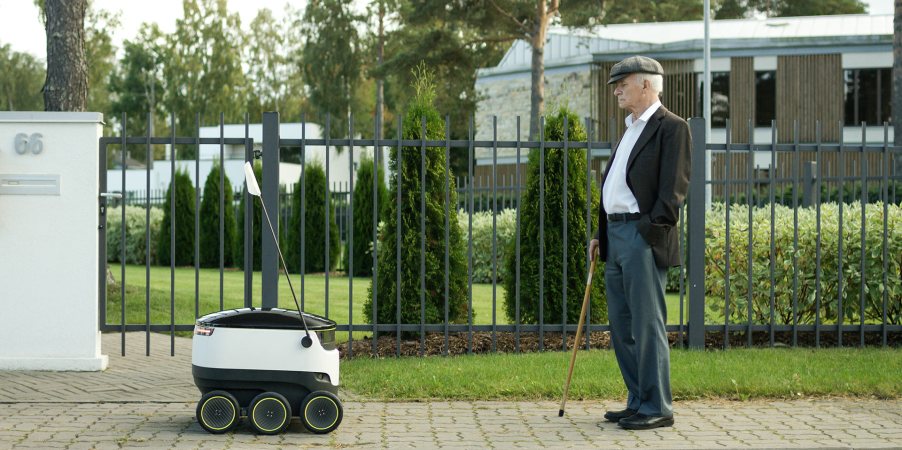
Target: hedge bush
(506,224)
(209,222)
(363,217)
(314,225)
(184,223)
(554,233)
(851,191)
(135,234)
(406,173)
(715,258)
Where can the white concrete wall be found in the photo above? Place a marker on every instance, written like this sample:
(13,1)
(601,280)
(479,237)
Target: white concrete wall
(49,245)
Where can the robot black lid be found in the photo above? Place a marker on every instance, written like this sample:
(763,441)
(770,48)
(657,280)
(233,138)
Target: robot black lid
(274,318)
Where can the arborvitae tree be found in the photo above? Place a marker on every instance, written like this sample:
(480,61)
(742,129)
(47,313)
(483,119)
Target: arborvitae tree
(184,223)
(363,217)
(406,173)
(209,221)
(554,233)
(258,224)
(314,225)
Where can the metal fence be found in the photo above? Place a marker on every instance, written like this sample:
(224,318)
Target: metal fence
(700,313)
(505,191)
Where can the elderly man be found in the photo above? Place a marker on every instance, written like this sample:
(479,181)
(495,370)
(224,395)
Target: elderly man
(644,185)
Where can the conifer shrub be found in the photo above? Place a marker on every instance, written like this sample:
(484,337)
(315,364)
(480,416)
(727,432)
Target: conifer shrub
(406,174)
(184,223)
(552,302)
(209,221)
(314,225)
(363,216)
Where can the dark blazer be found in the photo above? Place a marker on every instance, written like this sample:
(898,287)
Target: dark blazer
(658,175)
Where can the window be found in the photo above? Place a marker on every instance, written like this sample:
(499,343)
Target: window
(720,98)
(868,93)
(765,98)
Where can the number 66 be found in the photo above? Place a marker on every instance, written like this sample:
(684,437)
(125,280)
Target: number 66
(25,143)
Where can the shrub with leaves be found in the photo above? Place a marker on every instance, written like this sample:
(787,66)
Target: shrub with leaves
(363,216)
(184,223)
(209,221)
(554,261)
(135,237)
(406,169)
(314,225)
(805,263)
(506,224)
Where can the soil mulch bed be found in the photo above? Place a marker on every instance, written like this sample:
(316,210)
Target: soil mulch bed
(505,342)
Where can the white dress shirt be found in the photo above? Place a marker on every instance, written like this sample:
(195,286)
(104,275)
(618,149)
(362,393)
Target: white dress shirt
(616,196)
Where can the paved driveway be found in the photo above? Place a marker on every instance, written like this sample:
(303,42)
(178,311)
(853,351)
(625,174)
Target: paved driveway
(148,402)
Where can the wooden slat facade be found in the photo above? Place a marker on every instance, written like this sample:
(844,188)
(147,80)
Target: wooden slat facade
(681,87)
(680,94)
(810,89)
(742,97)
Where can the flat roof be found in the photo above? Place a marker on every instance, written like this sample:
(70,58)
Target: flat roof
(685,40)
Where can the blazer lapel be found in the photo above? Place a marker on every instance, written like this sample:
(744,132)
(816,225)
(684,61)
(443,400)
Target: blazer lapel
(653,123)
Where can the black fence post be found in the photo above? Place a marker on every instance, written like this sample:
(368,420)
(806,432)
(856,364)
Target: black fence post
(810,195)
(270,256)
(696,238)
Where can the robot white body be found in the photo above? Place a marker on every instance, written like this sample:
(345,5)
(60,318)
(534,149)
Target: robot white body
(253,361)
(263,349)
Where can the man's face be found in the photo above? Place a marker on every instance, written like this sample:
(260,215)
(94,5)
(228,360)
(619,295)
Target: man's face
(630,92)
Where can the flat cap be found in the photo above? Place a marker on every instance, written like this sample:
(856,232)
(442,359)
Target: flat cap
(635,64)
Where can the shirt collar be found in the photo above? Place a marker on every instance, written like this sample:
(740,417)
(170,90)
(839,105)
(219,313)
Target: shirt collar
(645,115)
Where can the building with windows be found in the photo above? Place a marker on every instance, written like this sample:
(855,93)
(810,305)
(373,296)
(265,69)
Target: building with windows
(828,71)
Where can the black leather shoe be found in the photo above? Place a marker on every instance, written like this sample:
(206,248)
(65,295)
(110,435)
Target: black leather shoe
(614,416)
(643,422)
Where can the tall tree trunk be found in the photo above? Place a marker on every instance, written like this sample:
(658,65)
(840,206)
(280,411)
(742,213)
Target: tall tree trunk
(537,97)
(896,116)
(66,85)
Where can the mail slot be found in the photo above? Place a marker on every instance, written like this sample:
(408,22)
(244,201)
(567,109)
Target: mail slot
(21,184)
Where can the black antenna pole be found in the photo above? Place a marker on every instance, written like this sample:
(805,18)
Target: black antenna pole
(306,341)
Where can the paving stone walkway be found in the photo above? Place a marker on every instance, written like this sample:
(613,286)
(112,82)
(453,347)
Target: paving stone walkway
(149,402)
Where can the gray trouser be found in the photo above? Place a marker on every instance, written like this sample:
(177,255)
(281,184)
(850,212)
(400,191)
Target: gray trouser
(638,314)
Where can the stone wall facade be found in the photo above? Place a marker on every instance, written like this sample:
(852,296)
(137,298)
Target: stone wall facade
(508,97)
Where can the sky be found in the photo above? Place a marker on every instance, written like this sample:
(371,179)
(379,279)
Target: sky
(21,27)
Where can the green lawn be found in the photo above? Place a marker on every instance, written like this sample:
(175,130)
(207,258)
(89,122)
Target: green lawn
(233,296)
(734,374)
(738,374)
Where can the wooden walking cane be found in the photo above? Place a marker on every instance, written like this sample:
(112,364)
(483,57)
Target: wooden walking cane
(579,330)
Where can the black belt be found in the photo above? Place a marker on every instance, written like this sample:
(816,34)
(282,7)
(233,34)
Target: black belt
(623,217)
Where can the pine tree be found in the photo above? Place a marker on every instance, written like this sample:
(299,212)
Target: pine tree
(314,225)
(209,221)
(184,223)
(407,175)
(554,232)
(363,217)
